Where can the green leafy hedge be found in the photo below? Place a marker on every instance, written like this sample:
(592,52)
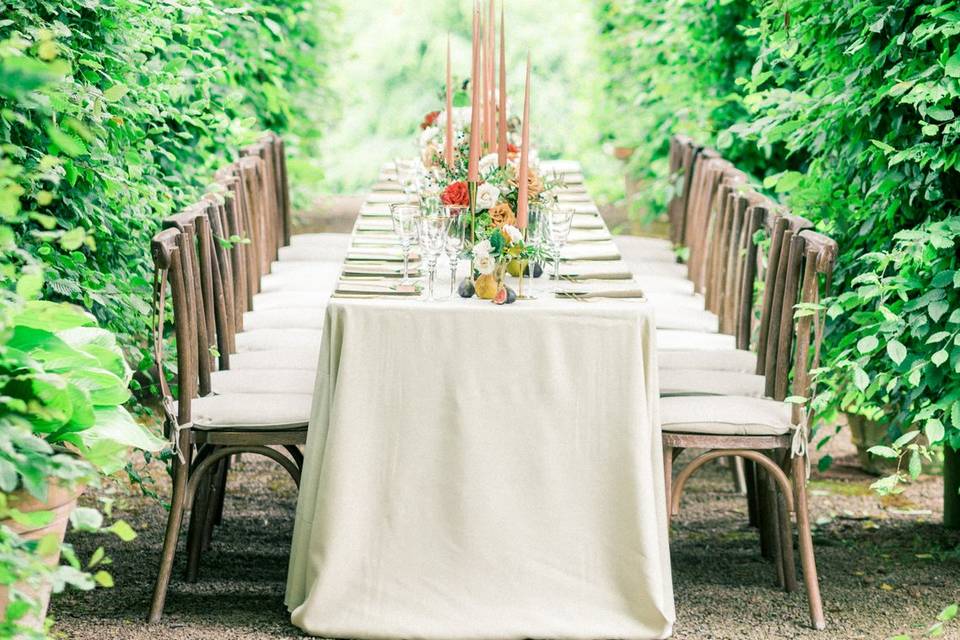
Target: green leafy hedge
(848,111)
(114,113)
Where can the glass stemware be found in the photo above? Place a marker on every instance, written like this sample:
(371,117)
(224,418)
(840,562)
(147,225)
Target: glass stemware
(533,241)
(556,228)
(433,237)
(408,175)
(405,217)
(456,236)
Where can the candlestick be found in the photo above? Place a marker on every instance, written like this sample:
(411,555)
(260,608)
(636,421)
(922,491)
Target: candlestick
(502,120)
(523,189)
(448,138)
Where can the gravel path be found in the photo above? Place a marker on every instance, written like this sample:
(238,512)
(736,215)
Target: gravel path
(885,566)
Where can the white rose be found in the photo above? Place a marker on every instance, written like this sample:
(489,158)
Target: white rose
(484,264)
(513,233)
(487,196)
(427,136)
(482,249)
(487,163)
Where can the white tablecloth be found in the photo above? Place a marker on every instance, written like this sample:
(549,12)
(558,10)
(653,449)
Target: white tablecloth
(483,471)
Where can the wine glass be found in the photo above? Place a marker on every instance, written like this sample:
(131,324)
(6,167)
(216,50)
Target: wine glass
(534,239)
(556,228)
(433,237)
(456,236)
(407,175)
(405,218)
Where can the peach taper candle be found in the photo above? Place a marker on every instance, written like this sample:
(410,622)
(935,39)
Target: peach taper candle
(448,137)
(523,188)
(502,119)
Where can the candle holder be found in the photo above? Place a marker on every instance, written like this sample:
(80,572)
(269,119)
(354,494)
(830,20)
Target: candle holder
(472,191)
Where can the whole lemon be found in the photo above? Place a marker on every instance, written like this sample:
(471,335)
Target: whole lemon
(486,286)
(515,267)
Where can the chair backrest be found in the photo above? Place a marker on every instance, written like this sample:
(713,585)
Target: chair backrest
(683,152)
(281,187)
(172,252)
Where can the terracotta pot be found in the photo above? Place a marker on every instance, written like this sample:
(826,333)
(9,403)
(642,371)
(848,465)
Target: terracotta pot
(61,501)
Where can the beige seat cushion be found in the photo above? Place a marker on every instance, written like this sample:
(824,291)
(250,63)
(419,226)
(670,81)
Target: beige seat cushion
(725,415)
(252,411)
(263,381)
(301,281)
(291,300)
(661,269)
(320,239)
(320,268)
(679,339)
(273,358)
(284,339)
(706,382)
(722,360)
(652,284)
(313,253)
(284,318)
(636,249)
(686,319)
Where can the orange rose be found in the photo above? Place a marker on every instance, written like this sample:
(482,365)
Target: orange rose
(534,183)
(430,119)
(501,214)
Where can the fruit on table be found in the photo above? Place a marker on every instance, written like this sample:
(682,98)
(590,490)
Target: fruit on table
(486,286)
(515,267)
(466,289)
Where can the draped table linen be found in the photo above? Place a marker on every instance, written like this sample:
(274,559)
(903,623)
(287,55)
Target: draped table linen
(482,471)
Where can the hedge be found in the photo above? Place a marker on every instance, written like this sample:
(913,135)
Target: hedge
(114,113)
(847,111)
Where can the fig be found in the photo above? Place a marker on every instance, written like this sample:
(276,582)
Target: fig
(501,297)
(466,289)
(537,270)
(511,296)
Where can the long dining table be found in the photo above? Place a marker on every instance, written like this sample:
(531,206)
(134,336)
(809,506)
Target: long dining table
(482,471)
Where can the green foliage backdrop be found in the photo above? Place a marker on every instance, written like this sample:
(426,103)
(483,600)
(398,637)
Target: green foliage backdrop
(114,113)
(848,111)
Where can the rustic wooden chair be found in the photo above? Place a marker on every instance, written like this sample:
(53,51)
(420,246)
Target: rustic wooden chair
(206,429)
(767,431)
(683,153)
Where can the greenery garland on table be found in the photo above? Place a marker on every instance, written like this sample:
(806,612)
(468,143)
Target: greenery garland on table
(849,111)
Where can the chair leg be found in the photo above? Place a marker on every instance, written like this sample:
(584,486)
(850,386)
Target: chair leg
(786,545)
(738,475)
(199,517)
(218,489)
(174,519)
(805,539)
(750,469)
(667,477)
(776,531)
(765,515)
(222,484)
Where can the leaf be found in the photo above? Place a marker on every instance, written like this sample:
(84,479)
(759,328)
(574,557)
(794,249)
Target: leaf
(938,309)
(934,431)
(860,379)
(940,114)
(97,556)
(883,452)
(122,530)
(952,68)
(948,614)
(939,357)
(905,439)
(69,144)
(103,579)
(116,92)
(867,344)
(915,466)
(86,519)
(896,351)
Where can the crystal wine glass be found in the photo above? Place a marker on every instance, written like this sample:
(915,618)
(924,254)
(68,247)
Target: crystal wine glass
(405,217)
(456,235)
(433,237)
(556,228)
(533,241)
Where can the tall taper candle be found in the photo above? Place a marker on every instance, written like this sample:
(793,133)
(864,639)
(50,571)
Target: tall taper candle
(448,138)
(523,187)
(502,120)
(491,75)
(474,164)
(482,79)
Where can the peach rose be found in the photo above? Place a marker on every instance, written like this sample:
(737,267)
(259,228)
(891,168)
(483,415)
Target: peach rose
(501,214)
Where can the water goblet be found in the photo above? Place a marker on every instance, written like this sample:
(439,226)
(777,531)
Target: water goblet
(433,237)
(405,217)
(533,241)
(456,236)
(556,228)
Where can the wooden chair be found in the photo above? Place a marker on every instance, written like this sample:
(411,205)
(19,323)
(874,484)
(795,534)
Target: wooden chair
(207,429)
(766,431)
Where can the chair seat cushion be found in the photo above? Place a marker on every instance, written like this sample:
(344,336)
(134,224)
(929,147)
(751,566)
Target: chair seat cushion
(706,382)
(685,319)
(637,249)
(313,253)
(291,300)
(252,411)
(307,281)
(652,284)
(661,269)
(284,339)
(320,239)
(273,358)
(718,360)
(286,318)
(263,381)
(725,415)
(679,339)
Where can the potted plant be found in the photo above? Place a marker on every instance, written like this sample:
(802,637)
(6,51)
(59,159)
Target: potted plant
(63,383)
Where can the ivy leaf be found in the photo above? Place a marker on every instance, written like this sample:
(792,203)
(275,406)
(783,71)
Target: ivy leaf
(896,351)
(116,92)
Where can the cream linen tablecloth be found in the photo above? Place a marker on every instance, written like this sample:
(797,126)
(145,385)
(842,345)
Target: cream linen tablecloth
(482,471)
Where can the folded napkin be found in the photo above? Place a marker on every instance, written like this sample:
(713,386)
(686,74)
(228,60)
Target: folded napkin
(373,289)
(561,166)
(597,275)
(590,251)
(375,210)
(582,207)
(374,224)
(387,186)
(589,294)
(379,254)
(387,198)
(568,197)
(587,221)
(356,270)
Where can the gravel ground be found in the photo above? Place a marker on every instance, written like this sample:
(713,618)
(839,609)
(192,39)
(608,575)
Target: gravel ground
(886,566)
